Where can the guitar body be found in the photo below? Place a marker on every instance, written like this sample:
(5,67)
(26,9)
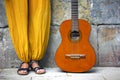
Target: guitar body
(75,55)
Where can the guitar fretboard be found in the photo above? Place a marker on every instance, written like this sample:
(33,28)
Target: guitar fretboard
(74,14)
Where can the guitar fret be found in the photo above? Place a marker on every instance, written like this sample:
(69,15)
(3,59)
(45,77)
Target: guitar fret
(74,4)
(74,1)
(75,15)
(75,12)
(75,9)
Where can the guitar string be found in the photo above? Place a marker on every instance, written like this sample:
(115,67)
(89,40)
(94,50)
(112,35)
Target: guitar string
(74,12)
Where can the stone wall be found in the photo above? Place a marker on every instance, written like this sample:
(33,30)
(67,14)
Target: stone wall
(104,16)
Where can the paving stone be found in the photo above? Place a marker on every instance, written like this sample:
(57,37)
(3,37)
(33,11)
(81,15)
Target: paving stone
(99,73)
(109,73)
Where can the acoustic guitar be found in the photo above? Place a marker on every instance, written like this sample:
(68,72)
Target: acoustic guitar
(75,53)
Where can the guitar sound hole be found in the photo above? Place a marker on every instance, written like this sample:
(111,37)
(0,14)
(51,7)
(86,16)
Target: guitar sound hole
(75,35)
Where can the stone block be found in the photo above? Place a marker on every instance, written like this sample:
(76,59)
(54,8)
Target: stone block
(3,21)
(1,35)
(109,45)
(93,40)
(53,44)
(2,57)
(61,10)
(11,59)
(105,11)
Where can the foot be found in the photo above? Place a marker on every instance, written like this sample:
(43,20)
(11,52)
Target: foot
(37,68)
(24,69)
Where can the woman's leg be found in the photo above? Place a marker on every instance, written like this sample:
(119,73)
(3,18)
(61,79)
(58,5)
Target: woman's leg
(39,27)
(17,15)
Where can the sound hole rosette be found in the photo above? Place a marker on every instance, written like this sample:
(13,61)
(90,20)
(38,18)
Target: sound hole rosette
(74,35)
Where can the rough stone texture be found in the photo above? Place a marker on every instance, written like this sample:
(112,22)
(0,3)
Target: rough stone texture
(8,57)
(1,35)
(2,57)
(11,59)
(93,41)
(109,45)
(105,11)
(54,42)
(97,73)
(3,21)
(61,10)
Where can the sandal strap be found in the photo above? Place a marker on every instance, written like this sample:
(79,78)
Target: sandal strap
(37,68)
(23,69)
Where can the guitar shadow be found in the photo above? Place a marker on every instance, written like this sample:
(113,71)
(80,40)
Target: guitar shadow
(94,70)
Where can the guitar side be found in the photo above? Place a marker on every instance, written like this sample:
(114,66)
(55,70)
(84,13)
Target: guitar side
(68,48)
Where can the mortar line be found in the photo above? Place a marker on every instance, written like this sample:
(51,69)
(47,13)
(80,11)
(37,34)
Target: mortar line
(6,26)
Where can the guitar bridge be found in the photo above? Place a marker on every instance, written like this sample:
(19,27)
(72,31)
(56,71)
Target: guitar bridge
(75,56)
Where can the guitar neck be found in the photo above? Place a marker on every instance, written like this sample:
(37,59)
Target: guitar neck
(74,14)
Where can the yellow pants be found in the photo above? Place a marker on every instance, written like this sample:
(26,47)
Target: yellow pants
(29,26)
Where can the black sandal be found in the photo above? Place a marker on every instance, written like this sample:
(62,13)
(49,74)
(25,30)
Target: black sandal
(37,68)
(23,69)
